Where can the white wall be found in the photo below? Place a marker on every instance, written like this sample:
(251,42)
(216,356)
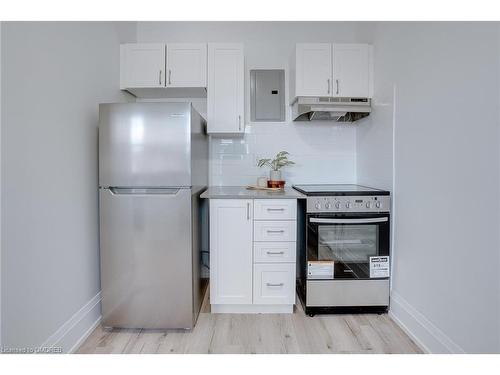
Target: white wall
(324,152)
(374,134)
(1,26)
(54,76)
(446,177)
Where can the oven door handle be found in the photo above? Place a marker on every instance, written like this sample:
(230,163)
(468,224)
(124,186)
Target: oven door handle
(349,221)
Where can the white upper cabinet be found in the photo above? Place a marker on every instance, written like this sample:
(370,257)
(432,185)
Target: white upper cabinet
(313,69)
(331,70)
(186,65)
(157,70)
(142,65)
(225,93)
(352,70)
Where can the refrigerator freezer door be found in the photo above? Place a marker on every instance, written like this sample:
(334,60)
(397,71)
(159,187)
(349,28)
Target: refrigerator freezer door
(144,144)
(146,255)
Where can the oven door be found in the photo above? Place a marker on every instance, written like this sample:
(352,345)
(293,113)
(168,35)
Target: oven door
(339,246)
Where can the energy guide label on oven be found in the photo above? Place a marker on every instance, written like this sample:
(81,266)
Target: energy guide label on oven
(379,267)
(320,269)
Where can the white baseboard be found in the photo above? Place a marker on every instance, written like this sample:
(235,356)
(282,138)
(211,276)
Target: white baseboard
(429,337)
(84,337)
(74,331)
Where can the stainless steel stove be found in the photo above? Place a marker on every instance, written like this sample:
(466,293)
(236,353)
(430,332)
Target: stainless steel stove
(344,256)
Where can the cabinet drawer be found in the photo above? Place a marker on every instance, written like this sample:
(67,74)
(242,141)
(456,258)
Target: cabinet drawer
(274,283)
(274,252)
(274,230)
(275,209)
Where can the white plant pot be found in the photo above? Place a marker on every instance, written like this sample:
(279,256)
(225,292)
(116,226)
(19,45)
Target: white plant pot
(275,175)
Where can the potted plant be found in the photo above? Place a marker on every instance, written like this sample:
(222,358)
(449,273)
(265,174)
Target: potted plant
(280,161)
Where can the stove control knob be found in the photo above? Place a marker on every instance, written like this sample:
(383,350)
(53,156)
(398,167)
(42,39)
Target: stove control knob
(337,205)
(328,206)
(378,204)
(348,205)
(318,206)
(368,205)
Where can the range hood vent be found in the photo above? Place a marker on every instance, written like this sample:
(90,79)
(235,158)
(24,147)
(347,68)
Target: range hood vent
(330,109)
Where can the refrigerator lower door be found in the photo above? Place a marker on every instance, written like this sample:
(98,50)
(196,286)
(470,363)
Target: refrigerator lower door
(146,258)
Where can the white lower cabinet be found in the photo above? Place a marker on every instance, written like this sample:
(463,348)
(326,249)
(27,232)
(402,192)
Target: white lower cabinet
(274,252)
(252,261)
(274,230)
(231,251)
(275,209)
(274,283)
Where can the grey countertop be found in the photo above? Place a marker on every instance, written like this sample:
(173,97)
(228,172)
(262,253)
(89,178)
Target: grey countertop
(241,192)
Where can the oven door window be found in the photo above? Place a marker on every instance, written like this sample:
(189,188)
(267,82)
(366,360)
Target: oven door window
(347,243)
(348,246)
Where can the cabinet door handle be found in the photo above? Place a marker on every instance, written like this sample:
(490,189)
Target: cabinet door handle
(328,83)
(248,211)
(159,78)
(270,284)
(275,231)
(337,83)
(239,122)
(275,252)
(276,209)
(169,77)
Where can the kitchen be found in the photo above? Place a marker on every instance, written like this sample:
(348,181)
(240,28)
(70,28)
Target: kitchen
(414,128)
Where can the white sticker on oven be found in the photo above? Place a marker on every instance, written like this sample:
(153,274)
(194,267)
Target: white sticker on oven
(320,270)
(379,267)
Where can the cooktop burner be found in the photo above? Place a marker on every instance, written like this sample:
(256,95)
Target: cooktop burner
(338,190)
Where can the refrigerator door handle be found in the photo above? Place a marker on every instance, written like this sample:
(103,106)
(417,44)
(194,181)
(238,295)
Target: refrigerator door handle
(139,191)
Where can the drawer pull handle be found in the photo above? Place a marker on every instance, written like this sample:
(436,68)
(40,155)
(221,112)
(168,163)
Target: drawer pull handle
(278,285)
(276,209)
(276,231)
(275,252)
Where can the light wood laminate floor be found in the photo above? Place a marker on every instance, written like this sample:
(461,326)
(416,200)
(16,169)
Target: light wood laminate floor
(261,333)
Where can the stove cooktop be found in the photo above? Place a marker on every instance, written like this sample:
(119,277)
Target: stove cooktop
(338,190)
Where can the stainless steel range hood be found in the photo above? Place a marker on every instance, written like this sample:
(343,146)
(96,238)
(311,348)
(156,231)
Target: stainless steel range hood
(330,109)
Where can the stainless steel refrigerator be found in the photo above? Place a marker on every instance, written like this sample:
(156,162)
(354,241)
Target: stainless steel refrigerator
(153,166)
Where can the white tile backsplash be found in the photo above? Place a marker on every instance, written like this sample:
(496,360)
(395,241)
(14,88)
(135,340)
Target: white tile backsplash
(324,152)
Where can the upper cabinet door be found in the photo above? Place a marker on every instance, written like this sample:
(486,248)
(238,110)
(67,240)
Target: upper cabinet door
(352,70)
(313,69)
(186,65)
(142,65)
(225,93)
